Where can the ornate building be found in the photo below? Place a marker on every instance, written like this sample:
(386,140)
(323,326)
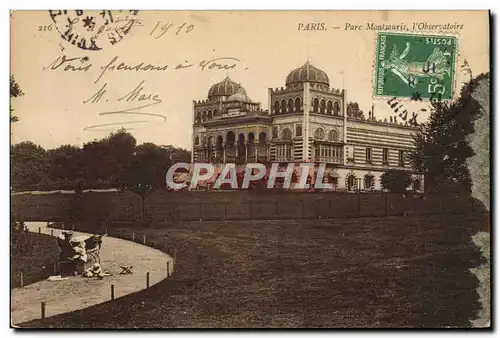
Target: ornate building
(307,121)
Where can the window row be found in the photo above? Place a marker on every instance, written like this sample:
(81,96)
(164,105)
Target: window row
(385,156)
(319,133)
(284,152)
(318,106)
(206,115)
(329,152)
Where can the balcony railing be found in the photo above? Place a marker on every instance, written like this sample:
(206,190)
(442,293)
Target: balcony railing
(328,159)
(246,159)
(284,159)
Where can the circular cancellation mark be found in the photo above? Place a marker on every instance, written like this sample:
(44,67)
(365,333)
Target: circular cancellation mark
(93,30)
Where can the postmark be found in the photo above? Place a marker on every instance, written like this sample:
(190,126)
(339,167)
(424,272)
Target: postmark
(94,30)
(409,63)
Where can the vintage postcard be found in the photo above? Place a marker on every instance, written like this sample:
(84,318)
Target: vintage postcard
(250,169)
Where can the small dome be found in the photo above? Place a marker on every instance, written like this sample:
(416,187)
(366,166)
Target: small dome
(225,88)
(307,73)
(240,96)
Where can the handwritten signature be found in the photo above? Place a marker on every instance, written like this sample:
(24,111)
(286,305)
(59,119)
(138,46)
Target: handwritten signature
(83,64)
(136,96)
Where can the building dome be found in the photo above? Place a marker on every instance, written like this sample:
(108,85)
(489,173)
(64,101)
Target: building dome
(307,73)
(240,96)
(225,88)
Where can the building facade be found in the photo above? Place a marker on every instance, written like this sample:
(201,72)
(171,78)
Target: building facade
(306,121)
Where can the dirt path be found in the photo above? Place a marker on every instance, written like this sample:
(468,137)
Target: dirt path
(76,292)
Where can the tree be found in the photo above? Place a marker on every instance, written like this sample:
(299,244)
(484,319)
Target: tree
(354,111)
(146,172)
(479,164)
(28,165)
(15,91)
(105,160)
(396,180)
(64,165)
(442,147)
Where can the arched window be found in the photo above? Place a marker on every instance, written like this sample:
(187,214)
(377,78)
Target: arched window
(209,114)
(322,107)
(319,134)
(196,141)
(230,138)
(336,108)
(216,112)
(198,117)
(205,114)
(220,142)
(286,134)
(351,182)
(329,108)
(298,105)
(262,137)
(283,106)
(276,107)
(369,181)
(333,136)
(241,139)
(315,105)
(290,105)
(251,137)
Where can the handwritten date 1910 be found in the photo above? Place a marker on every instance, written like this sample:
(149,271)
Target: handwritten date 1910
(163,27)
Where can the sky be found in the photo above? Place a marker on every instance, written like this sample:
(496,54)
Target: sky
(73,107)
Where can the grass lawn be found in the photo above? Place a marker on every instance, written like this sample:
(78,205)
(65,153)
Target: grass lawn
(367,272)
(33,254)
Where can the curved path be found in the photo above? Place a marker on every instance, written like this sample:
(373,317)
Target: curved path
(77,292)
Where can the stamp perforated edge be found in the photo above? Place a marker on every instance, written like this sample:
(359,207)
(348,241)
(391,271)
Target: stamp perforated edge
(455,83)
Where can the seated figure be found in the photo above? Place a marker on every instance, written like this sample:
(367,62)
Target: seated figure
(64,243)
(95,271)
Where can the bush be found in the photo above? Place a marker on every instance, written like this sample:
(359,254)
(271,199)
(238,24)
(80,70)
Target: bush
(396,180)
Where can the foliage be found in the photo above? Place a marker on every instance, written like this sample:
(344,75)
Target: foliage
(15,91)
(395,180)
(146,169)
(115,161)
(479,164)
(29,165)
(442,148)
(353,110)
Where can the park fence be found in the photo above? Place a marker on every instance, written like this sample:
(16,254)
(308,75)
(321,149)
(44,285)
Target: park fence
(168,207)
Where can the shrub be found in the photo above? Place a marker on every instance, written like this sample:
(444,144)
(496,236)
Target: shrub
(396,180)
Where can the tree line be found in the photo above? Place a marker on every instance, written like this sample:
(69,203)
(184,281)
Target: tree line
(115,161)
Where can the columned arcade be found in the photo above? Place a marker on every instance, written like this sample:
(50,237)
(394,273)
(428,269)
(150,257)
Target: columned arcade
(226,147)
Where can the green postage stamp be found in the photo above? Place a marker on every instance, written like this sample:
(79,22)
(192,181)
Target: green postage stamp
(412,66)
